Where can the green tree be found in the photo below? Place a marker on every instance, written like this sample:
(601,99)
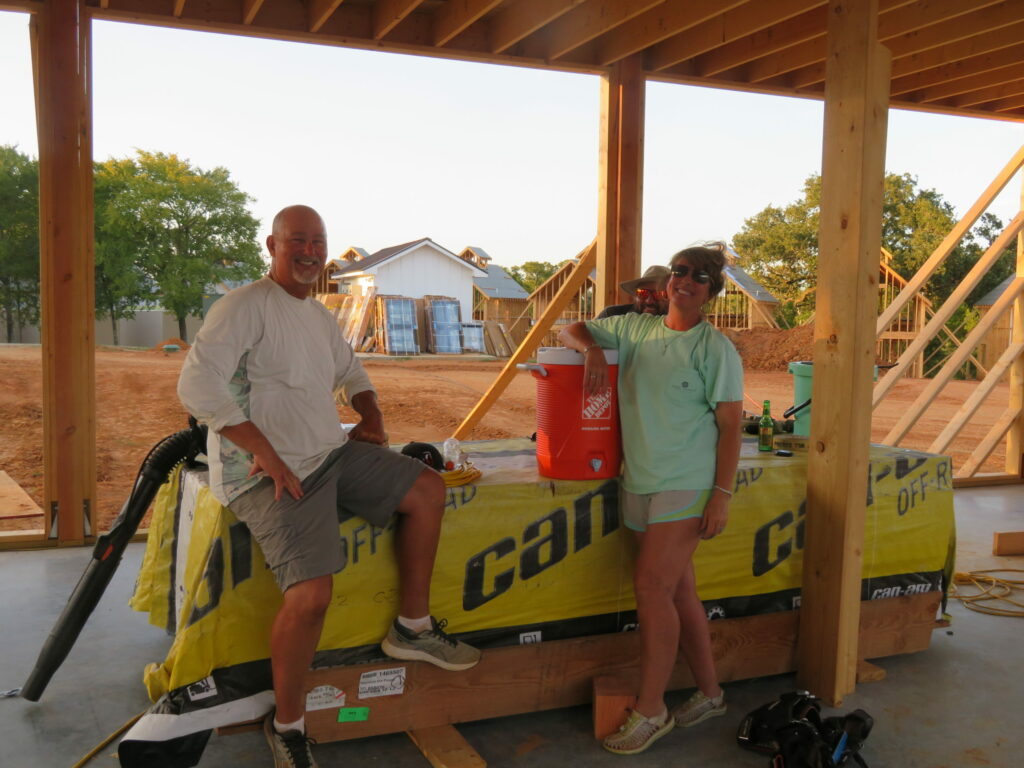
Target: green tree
(188,228)
(122,286)
(19,241)
(779,246)
(532,274)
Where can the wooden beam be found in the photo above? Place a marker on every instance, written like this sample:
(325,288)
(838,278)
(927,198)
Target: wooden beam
(387,14)
(521,18)
(319,12)
(726,28)
(560,673)
(62,33)
(620,181)
(1013,103)
(657,24)
(972,84)
(456,16)
(249,10)
(28,6)
(853,167)
(910,415)
(1008,543)
(951,53)
(989,442)
(779,37)
(950,305)
(985,95)
(1015,435)
(586,22)
(976,398)
(905,28)
(950,242)
(445,747)
(559,302)
(955,70)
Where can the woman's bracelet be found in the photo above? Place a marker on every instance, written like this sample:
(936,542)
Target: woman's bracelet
(723,490)
(590,347)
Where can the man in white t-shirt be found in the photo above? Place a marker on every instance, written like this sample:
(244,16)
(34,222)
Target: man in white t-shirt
(262,374)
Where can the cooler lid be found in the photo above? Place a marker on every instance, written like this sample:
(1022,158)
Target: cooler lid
(564,356)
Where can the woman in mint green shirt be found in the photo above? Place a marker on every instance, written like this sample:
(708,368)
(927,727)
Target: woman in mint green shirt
(680,403)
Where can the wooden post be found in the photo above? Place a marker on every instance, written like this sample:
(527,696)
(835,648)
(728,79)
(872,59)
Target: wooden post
(61,34)
(620,189)
(1015,437)
(853,164)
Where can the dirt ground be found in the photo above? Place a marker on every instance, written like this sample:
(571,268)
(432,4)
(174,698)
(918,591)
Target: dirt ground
(423,398)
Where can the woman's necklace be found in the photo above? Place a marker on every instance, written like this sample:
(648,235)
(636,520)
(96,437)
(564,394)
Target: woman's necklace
(672,334)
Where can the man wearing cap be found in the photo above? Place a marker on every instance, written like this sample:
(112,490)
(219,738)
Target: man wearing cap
(648,292)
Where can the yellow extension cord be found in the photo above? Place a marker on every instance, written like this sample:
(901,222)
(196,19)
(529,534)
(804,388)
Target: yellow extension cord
(989,588)
(99,747)
(464,474)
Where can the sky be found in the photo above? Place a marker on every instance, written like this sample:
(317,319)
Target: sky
(391,148)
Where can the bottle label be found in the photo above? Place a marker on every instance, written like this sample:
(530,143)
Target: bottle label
(764,438)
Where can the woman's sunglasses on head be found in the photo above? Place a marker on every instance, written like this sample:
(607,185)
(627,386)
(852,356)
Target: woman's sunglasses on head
(697,275)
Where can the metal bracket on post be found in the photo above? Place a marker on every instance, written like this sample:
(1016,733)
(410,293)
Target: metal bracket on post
(54,508)
(87,517)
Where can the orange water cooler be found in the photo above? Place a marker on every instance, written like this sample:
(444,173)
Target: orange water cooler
(577,434)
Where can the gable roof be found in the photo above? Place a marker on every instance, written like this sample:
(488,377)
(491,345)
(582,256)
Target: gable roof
(747,284)
(498,284)
(992,296)
(394,251)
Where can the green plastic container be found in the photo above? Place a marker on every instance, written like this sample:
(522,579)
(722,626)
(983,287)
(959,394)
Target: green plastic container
(803,375)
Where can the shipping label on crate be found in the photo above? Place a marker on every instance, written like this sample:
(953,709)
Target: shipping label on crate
(324,697)
(382,682)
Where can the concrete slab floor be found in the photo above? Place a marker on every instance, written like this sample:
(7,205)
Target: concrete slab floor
(957,705)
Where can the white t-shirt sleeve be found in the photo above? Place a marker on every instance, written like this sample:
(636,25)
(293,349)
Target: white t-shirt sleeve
(229,331)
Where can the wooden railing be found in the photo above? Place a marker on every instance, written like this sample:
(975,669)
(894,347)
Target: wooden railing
(1011,423)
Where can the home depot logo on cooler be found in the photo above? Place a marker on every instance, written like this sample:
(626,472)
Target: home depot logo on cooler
(598,406)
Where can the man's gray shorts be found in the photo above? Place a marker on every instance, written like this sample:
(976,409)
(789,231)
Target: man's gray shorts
(299,537)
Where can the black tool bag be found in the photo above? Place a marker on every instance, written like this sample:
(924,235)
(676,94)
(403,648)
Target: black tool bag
(426,453)
(792,731)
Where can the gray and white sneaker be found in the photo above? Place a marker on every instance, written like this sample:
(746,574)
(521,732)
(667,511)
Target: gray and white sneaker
(699,708)
(432,645)
(290,749)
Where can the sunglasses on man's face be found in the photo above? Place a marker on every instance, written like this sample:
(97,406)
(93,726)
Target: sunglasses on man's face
(697,275)
(647,293)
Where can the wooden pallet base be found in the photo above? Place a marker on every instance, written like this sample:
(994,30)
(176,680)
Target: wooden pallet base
(551,675)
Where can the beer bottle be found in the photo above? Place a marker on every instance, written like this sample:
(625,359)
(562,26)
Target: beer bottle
(765,428)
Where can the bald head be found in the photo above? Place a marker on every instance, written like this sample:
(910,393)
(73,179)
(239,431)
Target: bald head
(286,215)
(298,249)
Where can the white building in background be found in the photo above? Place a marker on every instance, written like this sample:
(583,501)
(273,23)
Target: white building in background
(417,269)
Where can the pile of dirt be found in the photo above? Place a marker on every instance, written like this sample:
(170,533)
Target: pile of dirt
(173,340)
(772,349)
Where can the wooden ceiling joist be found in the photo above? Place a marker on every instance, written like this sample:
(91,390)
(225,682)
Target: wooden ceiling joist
(249,10)
(776,40)
(320,11)
(985,95)
(967,85)
(726,28)
(521,18)
(456,16)
(964,68)
(949,56)
(657,24)
(950,53)
(387,14)
(589,21)
(904,29)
